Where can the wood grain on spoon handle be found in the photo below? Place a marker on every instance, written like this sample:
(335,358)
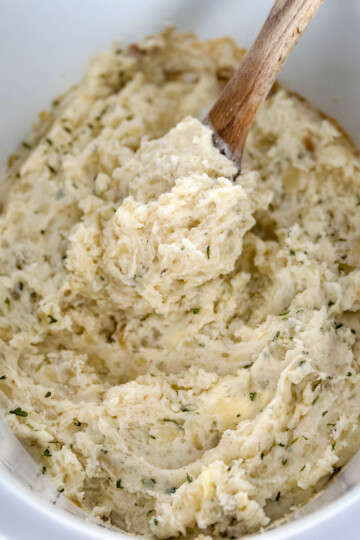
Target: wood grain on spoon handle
(231,116)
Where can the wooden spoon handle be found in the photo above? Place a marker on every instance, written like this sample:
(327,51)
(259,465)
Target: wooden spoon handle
(232,114)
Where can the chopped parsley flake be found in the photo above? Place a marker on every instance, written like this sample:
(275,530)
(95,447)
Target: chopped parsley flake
(48,394)
(49,141)
(52,319)
(291,252)
(302,468)
(7,301)
(118,484)
(283,313)
(26,145)
(149,482)
(276,335)
(208,252)
(43,470)
(284,462)
(47,453)
(170,420)
(352,331)
(248,366)
(337,326)
(301,363)
(349,374)
(51,169)
(330,303)
(156,521)
(282,445)
(333,446)
(315,400)
(252,396)
(262,456)
(277,498)
(19,412)
(152,437)
(196,310)
(3,377)
(189,478)
(324,413)
(104,451)
(292,442)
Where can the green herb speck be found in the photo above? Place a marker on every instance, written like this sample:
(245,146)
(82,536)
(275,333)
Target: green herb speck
(43,470)
(19,412)
(302,468)
(196,310)
(47,453)
(189,478)
(51,169)
(48,394)
(118,484)
(149,482)
(248,366)
(170,420)
(252,396)
(208,252)
(324,413)
(7,301)
(277,498)
(52,319)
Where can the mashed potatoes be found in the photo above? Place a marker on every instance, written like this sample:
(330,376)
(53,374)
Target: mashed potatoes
(179,349)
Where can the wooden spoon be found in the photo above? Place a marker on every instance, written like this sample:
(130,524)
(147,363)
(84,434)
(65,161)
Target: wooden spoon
(233,113)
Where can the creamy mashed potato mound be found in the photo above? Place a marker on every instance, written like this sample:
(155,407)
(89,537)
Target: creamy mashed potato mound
(178,343)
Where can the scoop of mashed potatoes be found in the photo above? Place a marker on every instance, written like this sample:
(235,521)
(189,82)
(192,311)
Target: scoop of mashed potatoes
(179,343)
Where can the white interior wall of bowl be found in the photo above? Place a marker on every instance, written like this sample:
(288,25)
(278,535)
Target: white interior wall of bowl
(44,47)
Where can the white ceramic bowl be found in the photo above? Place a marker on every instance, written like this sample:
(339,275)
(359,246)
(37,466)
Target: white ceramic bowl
(44,46)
